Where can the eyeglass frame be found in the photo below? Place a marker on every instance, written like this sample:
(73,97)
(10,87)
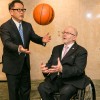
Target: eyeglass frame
(69,33)
(19,10)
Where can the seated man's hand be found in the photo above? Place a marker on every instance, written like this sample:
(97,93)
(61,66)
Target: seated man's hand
(44,68)
(56,68)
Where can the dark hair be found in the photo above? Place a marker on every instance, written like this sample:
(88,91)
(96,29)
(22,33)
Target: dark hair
(11,5)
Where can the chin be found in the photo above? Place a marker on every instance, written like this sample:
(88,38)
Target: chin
(64,41)
(21,19)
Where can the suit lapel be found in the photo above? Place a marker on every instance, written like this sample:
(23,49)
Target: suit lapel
(16,32)
(72,49)
(60,50)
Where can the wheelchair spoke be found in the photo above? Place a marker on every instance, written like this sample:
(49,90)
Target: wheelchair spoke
(88,93)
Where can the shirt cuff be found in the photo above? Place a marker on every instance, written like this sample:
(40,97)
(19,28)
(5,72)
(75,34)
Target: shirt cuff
(44,44)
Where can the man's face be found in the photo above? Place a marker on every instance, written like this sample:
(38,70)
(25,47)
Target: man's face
(69,35)
(17,12)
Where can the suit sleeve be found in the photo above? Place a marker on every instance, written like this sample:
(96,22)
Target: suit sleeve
(6,39)
(34,37)
(78,67)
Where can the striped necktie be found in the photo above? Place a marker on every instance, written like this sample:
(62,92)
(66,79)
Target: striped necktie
(21,32)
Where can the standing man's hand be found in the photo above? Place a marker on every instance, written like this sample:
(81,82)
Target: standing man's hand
(46,38)
(23,50)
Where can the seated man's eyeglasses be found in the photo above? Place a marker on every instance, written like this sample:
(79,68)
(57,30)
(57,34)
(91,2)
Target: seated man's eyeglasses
(19,10)
(68,33)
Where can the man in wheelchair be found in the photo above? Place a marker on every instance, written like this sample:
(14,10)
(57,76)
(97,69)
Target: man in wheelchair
(65,70)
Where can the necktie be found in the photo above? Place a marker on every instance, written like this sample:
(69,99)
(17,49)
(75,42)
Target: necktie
(65,50)
(21,32)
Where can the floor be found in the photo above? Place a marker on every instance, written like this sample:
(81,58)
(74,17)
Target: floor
(34,92)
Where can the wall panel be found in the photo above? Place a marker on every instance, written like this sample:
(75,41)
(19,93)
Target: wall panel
(82,14)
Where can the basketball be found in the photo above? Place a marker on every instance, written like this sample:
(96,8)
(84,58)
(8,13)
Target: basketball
(43,14)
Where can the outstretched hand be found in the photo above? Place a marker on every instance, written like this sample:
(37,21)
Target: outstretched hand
(56,68)
(46,38)
(44,68)
(22,49)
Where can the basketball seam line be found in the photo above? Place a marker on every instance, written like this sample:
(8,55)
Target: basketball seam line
(41,14)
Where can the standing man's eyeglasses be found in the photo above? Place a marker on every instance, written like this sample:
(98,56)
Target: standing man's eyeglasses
(19,10)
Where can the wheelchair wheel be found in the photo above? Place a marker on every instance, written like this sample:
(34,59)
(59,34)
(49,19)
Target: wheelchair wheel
(86,94)
(90,93)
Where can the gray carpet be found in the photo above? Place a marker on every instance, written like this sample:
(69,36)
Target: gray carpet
(34,92)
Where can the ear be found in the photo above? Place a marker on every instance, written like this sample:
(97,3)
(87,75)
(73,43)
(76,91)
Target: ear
(11,12)
(74,38)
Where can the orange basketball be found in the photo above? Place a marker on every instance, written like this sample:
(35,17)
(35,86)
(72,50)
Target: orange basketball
(43,14)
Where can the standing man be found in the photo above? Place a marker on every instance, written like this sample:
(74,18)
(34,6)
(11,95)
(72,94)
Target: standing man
(16,35)
(65,70)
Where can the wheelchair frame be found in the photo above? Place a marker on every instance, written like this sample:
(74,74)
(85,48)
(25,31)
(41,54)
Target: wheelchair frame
(88,93)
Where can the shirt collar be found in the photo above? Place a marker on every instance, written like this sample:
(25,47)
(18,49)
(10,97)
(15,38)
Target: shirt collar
(16,23)
(69,46)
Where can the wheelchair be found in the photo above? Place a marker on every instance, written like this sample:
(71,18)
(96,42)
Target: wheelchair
(88,93)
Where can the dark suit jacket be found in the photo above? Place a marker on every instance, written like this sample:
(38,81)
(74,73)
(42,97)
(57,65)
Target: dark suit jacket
(73,63)
(12,60)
